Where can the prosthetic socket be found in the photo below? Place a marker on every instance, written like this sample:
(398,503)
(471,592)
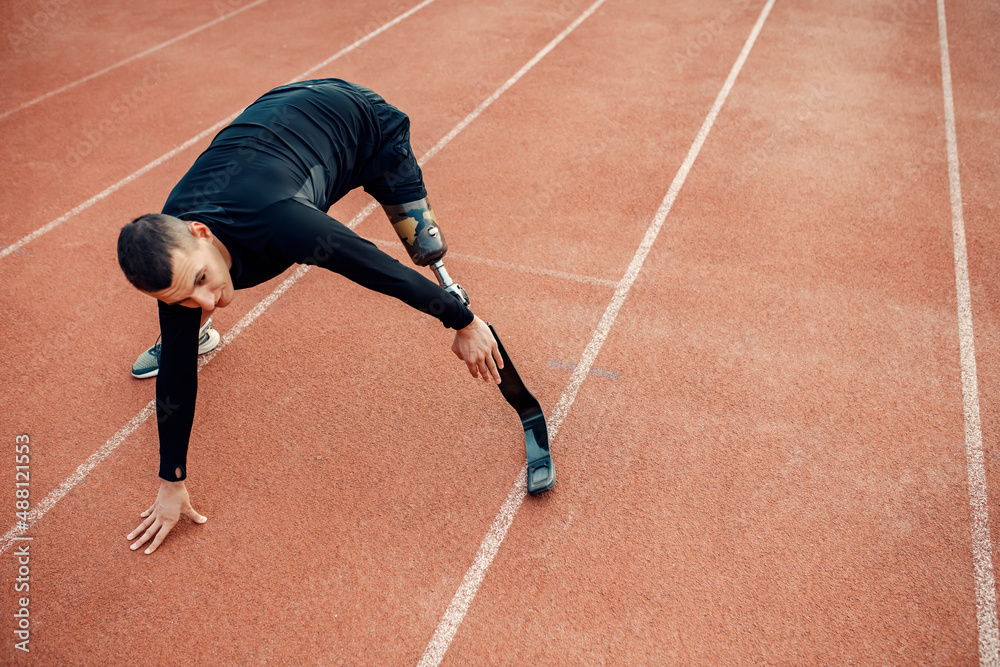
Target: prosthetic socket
(416,226)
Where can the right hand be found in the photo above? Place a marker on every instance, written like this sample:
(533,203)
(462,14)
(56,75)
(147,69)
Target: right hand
(476,346)
(171,501)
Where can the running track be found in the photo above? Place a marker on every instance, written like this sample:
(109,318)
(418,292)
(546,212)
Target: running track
(744,253)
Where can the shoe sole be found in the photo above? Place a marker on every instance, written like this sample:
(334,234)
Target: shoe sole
(213,342)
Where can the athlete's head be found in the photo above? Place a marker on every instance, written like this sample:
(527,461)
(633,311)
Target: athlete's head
(175,261)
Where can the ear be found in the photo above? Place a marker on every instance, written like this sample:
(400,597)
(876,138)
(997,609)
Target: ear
(200,231)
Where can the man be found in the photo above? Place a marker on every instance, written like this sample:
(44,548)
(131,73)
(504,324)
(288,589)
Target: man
(252,205)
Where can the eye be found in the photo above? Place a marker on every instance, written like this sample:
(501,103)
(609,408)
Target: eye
(201,279)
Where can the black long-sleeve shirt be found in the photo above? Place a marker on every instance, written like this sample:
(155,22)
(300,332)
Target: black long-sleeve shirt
(262,187)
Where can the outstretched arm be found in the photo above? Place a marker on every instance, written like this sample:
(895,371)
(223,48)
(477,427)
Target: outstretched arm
(176,386)
(176,392)
(309,236)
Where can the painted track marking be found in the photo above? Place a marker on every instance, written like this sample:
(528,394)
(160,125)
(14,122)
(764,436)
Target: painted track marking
(521,268)
(135,57)
(459,605)
(118,438)
(982,550)
(195,139)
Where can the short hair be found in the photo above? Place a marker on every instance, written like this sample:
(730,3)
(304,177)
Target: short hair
(144,250)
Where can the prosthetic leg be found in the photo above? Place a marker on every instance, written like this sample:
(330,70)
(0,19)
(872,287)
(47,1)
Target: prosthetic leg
(417,228)
(541,471)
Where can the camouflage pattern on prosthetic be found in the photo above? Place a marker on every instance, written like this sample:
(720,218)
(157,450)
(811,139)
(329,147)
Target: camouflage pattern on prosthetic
(416,226)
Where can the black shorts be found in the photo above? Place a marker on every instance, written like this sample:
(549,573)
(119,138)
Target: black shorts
(393,175)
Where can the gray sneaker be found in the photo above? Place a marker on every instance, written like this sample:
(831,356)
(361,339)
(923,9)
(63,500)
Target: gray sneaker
(148,363)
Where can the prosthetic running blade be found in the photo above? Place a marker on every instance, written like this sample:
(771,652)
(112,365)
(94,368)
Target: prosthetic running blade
(541,472)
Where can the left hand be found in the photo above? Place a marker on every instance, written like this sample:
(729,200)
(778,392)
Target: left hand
(171,502)
(476,346)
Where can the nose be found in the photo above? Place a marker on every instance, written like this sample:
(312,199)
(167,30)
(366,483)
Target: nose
(205,299)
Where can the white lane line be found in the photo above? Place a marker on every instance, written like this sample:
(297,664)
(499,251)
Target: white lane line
(139,419)
(94,459)
(121,63)
(460,603)
(576,277)
(193,140)
(375,33)
(982,550)
(44,229)
(254,313)
(474,259)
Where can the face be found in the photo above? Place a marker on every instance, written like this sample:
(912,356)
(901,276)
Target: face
(201,274)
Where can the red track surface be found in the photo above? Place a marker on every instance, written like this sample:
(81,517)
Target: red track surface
(766,464)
